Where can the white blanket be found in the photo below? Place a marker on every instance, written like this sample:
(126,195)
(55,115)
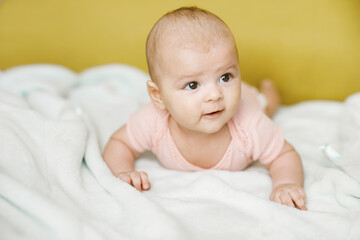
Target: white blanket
(54,184)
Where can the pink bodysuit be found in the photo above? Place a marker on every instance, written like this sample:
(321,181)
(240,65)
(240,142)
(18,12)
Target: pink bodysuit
(254,136)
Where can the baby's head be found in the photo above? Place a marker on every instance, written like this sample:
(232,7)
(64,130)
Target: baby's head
(193,63)
(187,27)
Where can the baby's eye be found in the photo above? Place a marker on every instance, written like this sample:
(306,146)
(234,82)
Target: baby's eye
(191,86)
(225,78)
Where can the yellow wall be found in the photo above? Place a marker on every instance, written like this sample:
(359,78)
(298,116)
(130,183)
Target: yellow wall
(310,48)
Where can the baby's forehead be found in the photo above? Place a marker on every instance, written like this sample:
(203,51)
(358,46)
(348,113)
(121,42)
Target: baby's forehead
(183,30)
(192,35)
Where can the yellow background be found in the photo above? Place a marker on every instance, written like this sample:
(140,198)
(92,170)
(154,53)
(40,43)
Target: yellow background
(310,48)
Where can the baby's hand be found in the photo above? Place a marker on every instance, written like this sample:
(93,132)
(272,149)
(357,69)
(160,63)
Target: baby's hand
(139,180)
(291,195)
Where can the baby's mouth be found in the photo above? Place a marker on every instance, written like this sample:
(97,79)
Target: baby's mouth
(213,114)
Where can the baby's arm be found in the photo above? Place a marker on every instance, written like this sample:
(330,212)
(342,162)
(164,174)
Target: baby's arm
(287,176)
(120,157)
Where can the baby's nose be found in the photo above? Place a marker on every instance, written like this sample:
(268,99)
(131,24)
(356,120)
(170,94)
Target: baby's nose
(214,94)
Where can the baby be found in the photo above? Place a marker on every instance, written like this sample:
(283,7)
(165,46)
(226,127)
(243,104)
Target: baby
(202,116)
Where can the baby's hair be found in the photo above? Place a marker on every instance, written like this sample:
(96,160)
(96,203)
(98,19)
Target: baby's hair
(192,24)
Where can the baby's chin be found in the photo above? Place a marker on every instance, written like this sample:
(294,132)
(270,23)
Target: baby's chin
(211,128)
(214,125)
(203,128)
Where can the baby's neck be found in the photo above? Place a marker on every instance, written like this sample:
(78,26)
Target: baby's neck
(185,133)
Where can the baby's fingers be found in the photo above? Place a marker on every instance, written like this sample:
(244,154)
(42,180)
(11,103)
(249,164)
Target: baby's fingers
(136,180)
(299,200)
(282,197)
(145,181)
(124,177)
(286,199)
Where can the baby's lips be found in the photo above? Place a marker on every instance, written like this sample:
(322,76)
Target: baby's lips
(215,111)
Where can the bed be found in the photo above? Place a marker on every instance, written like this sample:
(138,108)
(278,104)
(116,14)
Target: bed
(55,122)
(61,98)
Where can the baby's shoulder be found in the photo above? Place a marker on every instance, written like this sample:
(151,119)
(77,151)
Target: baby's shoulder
(149,115)
(249,120)
(144,126)
(245,114)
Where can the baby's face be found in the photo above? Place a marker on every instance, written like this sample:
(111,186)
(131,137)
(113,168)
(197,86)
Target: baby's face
(200,87)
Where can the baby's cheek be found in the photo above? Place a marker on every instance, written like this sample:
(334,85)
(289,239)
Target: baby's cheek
(234,102)
(184,115)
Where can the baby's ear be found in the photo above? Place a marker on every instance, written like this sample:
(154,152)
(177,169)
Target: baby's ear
(154,93)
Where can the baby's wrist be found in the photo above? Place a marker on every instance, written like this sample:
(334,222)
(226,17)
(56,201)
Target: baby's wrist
(122,171)
(283,183)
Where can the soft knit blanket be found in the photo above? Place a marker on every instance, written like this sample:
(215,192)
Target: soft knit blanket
(54,124)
